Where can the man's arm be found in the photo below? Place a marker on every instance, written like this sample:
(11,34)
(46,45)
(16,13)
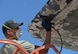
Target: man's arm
(47,26)
(48,38)
(47,41)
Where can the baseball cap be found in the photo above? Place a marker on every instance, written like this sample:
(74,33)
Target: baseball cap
(12,24)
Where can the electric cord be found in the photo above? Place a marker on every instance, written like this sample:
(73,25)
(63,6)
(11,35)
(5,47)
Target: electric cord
(60,38)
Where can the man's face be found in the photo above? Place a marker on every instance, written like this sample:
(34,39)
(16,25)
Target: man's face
(12,33)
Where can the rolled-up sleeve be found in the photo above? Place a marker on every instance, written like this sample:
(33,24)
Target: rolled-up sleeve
(27,46)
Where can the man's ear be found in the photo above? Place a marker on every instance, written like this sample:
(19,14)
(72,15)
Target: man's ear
(9,32)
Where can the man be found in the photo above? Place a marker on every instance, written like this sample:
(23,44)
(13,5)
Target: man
(12,32)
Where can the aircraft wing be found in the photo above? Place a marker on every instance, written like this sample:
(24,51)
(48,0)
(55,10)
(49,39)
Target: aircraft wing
(66,21)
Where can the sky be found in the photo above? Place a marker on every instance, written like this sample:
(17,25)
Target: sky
(24,11)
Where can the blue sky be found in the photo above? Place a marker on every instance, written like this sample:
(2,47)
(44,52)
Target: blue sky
(24,11)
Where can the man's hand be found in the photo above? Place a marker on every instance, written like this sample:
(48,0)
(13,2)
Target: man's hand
(46,25)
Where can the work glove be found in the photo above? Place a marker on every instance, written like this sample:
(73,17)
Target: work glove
(46,25)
